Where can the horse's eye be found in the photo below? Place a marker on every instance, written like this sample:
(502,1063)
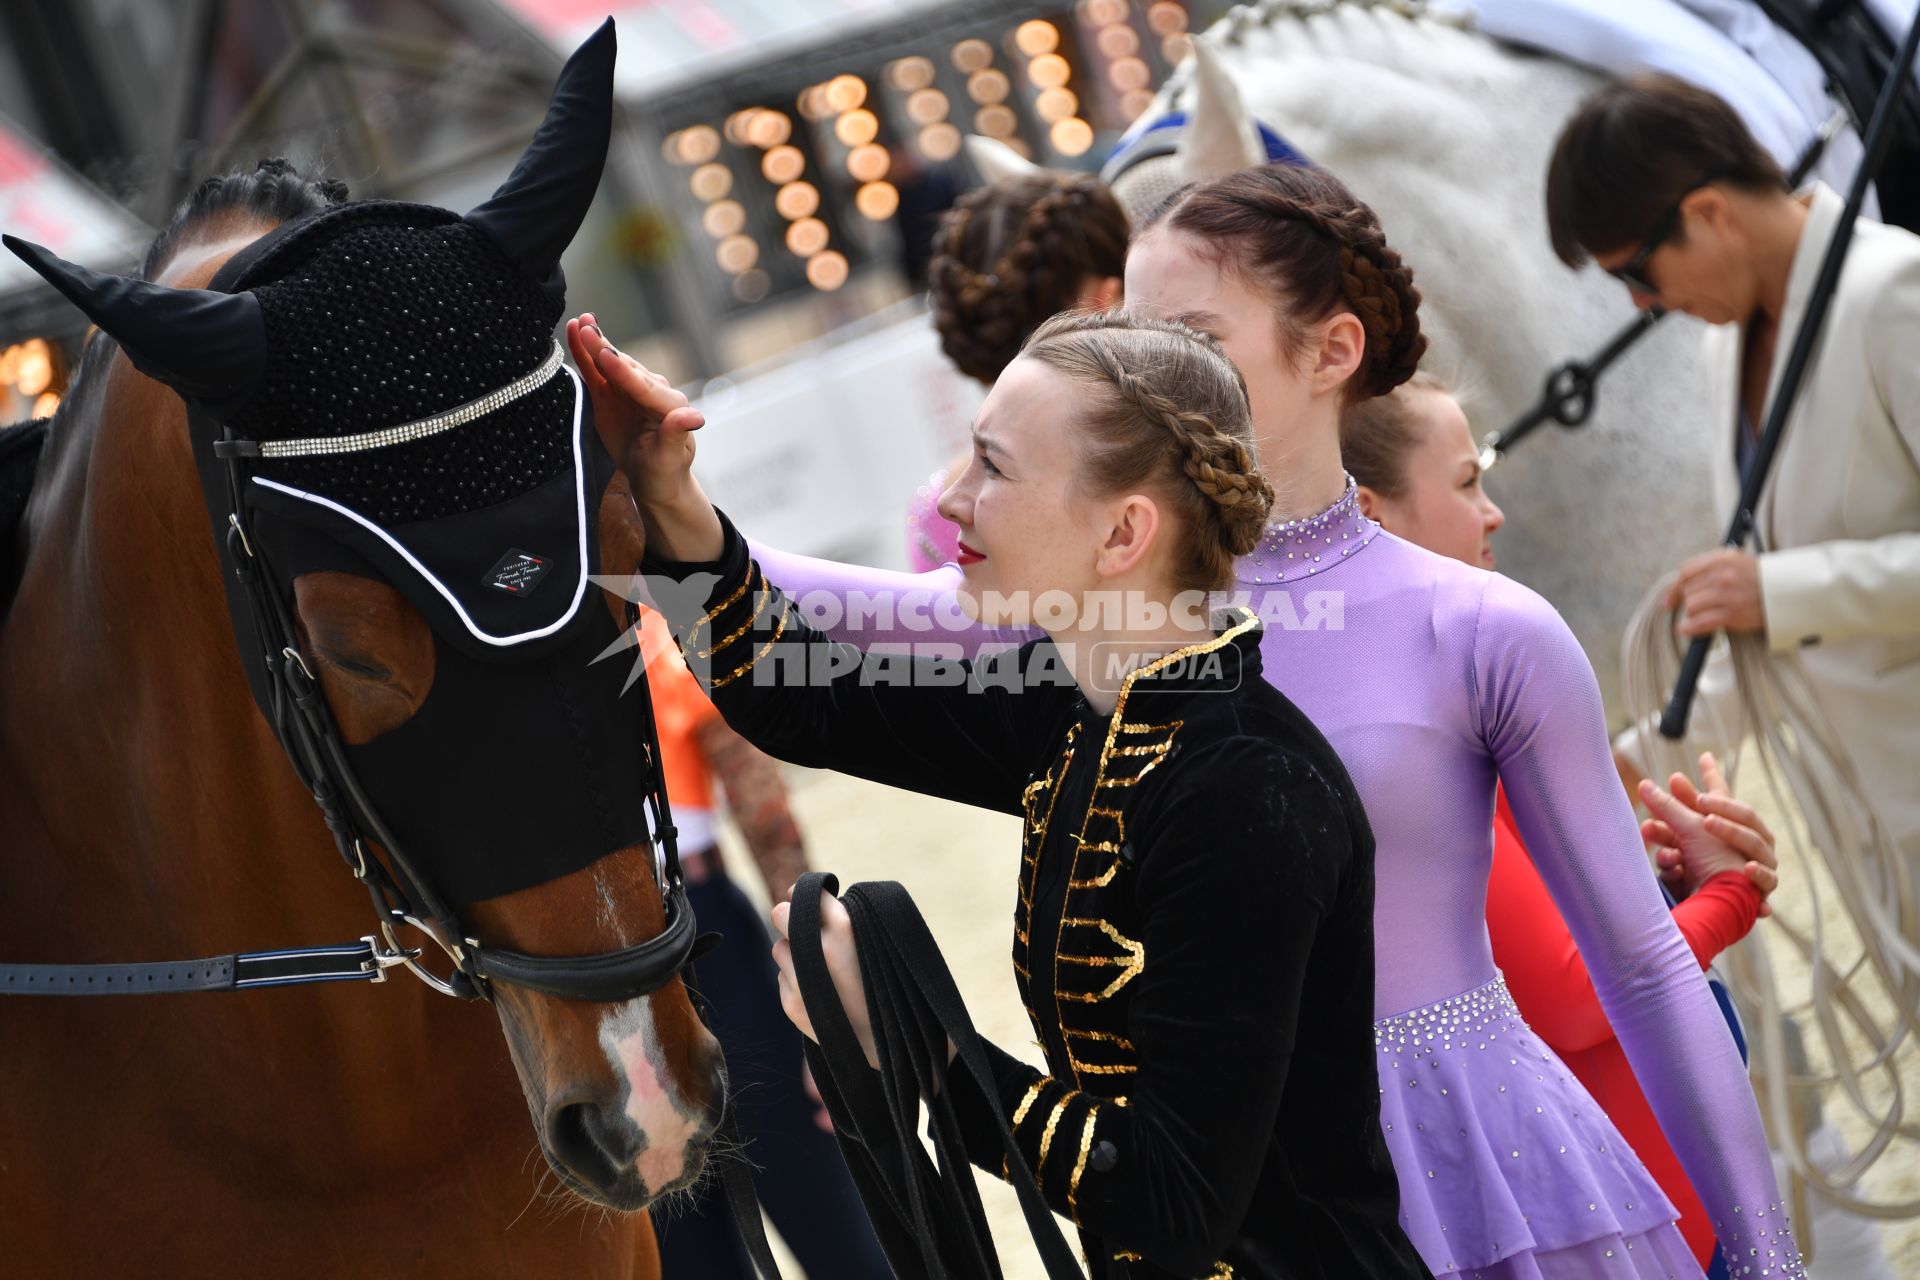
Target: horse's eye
(365,668)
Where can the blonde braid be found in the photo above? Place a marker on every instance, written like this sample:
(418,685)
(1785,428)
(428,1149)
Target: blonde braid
(1166,407)
(1220,467)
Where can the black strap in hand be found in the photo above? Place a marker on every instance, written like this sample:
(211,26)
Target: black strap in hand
(930,1221)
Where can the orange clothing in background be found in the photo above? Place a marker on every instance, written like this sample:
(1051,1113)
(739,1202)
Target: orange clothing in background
(1549,982)
(681,709)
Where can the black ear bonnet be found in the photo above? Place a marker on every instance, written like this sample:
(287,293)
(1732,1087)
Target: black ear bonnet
(378,390)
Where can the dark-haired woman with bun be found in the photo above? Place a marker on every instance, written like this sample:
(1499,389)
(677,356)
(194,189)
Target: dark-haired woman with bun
(1435,680)
(1009,256)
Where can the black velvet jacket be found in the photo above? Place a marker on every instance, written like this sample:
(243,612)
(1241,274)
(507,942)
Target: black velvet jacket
(1193,936)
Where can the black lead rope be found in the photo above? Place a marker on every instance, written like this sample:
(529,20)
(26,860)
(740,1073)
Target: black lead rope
(929,1218)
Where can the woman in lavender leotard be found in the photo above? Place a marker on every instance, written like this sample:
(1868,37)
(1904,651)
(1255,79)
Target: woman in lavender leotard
(1008,256)
(1433,680)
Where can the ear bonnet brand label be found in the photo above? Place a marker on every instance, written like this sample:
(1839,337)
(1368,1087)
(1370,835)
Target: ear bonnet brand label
(517,573)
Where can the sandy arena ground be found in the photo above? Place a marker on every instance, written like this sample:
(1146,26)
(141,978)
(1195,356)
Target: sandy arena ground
(959,865)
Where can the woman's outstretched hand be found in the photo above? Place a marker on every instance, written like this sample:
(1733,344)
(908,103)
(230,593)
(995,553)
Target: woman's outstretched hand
(647,427)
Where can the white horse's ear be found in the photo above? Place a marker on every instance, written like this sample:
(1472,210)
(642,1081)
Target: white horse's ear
(997,161)
(1219,138)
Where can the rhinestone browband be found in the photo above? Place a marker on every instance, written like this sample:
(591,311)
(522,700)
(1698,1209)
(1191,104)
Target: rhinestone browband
(420,428)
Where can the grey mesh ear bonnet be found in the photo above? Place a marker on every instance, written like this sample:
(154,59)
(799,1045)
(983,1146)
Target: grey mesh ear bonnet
(387,376)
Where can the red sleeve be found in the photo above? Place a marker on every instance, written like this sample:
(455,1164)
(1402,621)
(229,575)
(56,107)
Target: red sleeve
(1718,914)
(1543,968)
(1531,945)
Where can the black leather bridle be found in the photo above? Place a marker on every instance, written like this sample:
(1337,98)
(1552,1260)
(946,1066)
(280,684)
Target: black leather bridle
(402,896)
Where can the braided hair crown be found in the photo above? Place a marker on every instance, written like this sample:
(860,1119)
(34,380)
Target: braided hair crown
(1165,407)
(1301,235)
(1012,253)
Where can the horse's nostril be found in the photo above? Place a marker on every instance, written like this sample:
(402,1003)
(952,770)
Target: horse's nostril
(595,1151)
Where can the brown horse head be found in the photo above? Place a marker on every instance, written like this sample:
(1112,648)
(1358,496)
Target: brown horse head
(419,484)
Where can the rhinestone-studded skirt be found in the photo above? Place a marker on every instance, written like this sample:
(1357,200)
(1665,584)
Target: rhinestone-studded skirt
(1507,1167)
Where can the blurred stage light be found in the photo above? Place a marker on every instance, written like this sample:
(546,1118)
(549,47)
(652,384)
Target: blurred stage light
(769,129)
(1128,73)
(807,237)
(1166,17)
(736,253)
(912,73)
(723,218)
(971,55)
(988,86)
(856,128)
(1117,42)
(699,144)
(711,181)
(751,286)
(1071,137)
(1049,71)
(995,121)
(827,271)
(844,93)
(797,200)
(782,165)
(869,163)
(940,142)
(1056,104)
(926,106)
(1036,37)
(877,201)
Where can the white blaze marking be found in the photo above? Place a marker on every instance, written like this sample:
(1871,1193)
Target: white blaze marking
(609,910)
(632,1045)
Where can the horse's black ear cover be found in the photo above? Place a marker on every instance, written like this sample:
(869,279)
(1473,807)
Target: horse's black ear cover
(534,215)
(208,346)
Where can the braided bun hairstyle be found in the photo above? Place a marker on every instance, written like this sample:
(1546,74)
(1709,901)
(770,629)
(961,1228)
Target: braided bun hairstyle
(1014,252)
(1162,407)
(1299,234)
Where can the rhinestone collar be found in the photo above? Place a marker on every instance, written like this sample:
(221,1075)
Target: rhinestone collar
(420,428)
(1294,549)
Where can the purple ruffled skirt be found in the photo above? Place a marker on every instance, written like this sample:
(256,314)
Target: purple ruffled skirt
(1508,1169)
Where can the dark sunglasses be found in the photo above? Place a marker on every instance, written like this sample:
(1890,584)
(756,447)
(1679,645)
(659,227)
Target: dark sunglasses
(1633,272)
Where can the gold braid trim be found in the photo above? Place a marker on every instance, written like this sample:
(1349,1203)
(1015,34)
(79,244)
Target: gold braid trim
(1020,1113)
(1026,1102)
(761,599)
(1046,1134)
(786,611)
(720,608)
(1080,1164)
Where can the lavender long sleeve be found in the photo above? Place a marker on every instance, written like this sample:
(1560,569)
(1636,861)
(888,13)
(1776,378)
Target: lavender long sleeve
(1433,679)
